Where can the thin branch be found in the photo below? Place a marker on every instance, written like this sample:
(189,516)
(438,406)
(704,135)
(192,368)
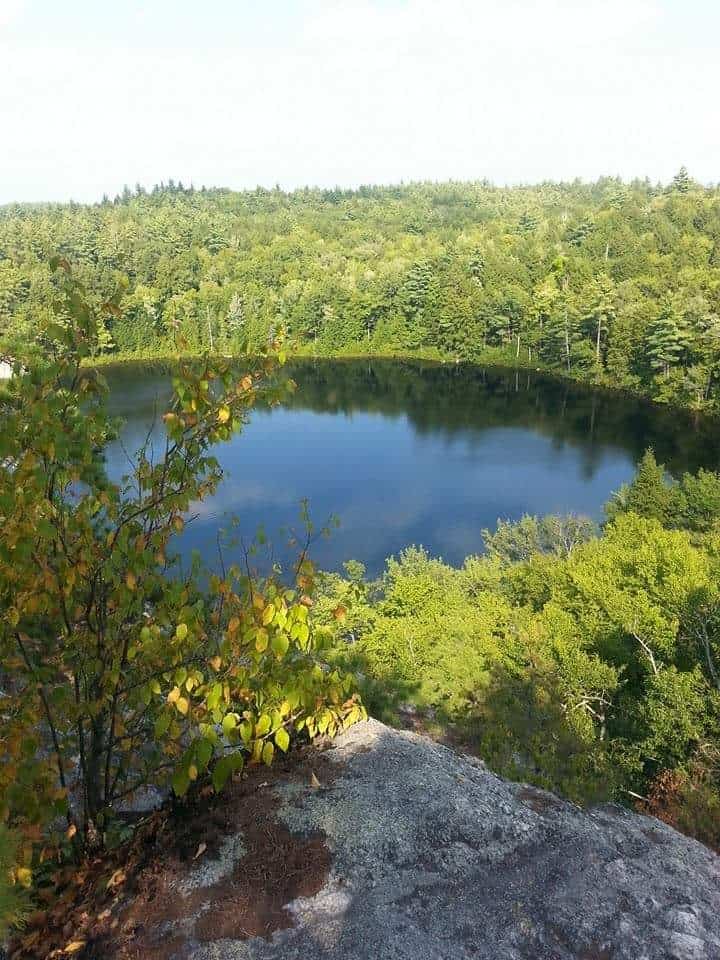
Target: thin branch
(46,708)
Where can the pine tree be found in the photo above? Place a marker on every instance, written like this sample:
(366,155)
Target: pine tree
(414,292)
(648,495)
(682,181)
(529,222)
(560,334)
(597,315)
(577,234)
(665,341)
(234,318)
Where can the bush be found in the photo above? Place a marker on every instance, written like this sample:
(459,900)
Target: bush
(554,535)
(689,799)
(119,670)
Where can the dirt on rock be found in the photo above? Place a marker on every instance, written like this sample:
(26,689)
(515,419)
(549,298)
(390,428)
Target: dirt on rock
(390,847)
(215,867)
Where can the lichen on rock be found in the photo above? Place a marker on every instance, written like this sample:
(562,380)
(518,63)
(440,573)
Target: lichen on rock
(433,857)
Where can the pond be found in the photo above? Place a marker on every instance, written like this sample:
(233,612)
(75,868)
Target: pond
(408,452)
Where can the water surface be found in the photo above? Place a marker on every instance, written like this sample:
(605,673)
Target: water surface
(408,452)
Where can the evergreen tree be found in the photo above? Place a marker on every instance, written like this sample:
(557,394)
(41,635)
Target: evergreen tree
(529,222)
(648,495)
(598,312)
(665,341)
(682,182)
(234,319)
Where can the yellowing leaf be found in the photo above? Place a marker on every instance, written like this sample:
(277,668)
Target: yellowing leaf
(74,946)
(130,580)
(268,614)
(263,725)
(282,739)
(223,414)
(182,705)
(181,631)
(172,697)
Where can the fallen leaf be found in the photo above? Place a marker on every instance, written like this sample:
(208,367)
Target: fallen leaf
(74,946)
(202,847)
(314,782)
(116,879)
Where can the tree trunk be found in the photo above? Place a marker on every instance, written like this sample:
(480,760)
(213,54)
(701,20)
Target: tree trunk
(207,314)
(567,343)
(95,771)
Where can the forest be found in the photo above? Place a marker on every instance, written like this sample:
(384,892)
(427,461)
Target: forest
(581,657)
(610,282)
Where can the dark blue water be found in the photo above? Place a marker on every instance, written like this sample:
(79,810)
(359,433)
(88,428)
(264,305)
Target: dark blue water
(417,453)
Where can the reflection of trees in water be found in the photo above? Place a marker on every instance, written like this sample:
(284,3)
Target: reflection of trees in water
(463,401)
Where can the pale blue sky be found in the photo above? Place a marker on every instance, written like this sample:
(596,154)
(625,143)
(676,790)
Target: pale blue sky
(97,94)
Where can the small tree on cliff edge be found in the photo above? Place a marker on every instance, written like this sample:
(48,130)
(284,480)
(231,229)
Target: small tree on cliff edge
(115,674)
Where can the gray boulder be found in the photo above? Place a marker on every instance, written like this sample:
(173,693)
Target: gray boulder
(433,857)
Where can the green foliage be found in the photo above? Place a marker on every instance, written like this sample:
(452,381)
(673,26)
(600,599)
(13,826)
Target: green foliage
(648,495)
(587,663)
(120,670)
(14,904)
(608,282)
(690,503)
(532,535)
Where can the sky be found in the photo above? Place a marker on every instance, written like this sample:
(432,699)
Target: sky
(95,94)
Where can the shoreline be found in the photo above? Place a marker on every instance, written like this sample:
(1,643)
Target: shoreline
(494,362)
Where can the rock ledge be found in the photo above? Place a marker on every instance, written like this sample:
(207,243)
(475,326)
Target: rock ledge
(435,858)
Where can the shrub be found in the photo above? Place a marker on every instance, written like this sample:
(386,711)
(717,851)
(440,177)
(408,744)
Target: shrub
(688,799)
(119,670)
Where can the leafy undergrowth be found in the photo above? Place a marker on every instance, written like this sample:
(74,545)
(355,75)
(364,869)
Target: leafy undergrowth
(688,801)
(135,902)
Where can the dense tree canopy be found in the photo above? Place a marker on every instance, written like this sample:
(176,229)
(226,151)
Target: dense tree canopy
(584,660)
(608,281)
